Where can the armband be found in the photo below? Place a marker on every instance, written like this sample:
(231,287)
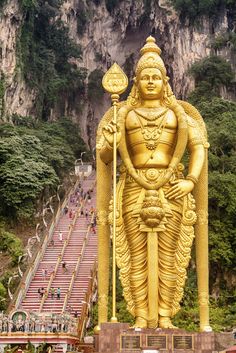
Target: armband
(192,178)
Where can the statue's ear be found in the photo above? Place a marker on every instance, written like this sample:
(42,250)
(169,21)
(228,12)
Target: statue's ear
(135,80)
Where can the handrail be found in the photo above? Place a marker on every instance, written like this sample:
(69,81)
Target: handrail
(30,272)
(60,256)
(85,308)
(75,272)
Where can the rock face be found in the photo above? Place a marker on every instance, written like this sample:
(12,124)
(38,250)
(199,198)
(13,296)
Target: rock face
(106,38)
(18,98)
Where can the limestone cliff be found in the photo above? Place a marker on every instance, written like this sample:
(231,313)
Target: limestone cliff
(106,38)
(16,96)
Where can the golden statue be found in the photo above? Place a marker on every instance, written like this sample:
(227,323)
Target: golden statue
(155,210)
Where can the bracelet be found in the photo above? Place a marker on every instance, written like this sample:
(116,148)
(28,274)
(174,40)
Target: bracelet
(192,178)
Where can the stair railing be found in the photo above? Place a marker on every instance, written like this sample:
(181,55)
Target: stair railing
(53,274)
(75,272)
(30,272)
(60,256)
(86,305)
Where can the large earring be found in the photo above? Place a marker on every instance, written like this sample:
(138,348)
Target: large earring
(167,92)
(134,97)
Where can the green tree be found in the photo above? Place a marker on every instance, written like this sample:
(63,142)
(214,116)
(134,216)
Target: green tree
(210,74)
(32,161)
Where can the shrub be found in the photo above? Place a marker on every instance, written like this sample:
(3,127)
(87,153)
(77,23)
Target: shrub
(11,244)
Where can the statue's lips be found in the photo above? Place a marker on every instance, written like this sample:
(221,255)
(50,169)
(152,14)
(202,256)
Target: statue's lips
(150,88)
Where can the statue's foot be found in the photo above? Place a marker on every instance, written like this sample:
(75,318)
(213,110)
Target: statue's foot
(152,324)
(165,322)
(140,323)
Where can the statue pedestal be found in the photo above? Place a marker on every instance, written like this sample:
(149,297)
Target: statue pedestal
(119,338)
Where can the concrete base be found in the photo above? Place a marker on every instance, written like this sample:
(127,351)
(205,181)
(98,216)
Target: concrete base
(118,338)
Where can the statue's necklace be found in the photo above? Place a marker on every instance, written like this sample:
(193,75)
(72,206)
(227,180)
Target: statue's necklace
(152,130)
(151,114)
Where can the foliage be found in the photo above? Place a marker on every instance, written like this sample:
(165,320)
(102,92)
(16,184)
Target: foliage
(29,348)
(47,54)
(213,70)
(2,2)
(3,294)
(11,244)
(3,288)
(223,40)
(188,316)
(111,5)
(197,8)
(95,90)
(98,56)
(220,116)
(28,4)
(82,18)
(210,74)
(222,315)
(24,174)
(32,161)
(97,2)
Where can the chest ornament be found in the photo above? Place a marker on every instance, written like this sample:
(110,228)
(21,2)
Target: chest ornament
(152,128)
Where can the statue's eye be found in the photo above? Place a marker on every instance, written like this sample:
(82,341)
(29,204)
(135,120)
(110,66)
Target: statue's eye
(144,77)
(156,77)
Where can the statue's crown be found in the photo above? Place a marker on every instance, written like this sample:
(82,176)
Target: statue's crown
(150,57)
(150,46)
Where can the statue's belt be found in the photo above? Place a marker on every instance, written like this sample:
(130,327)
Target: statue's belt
(153,174)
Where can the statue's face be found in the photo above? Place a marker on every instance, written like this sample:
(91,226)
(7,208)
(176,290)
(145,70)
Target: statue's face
(150,83)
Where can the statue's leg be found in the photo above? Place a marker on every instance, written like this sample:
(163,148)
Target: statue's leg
(167,269)
(138,250)
(138,274)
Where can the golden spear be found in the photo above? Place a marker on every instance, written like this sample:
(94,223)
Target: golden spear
(114,82)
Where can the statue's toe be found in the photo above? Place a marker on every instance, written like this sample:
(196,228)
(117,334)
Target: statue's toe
(140,323)
(165,322)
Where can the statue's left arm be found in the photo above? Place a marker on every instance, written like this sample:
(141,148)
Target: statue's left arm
(196,149)
(196,161)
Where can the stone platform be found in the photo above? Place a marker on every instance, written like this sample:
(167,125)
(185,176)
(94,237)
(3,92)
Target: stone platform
(119,338)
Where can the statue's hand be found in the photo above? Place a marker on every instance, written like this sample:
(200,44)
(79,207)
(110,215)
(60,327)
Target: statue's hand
(179,189)
(109,131)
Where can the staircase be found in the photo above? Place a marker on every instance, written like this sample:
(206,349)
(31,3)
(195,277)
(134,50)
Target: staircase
(76,299)
(78,250)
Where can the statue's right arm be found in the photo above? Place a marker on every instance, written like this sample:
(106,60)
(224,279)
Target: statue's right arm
(108,131)
(106,153)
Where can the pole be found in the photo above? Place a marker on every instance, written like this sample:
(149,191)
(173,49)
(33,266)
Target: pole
(201,228)
(115,99)
(115,82)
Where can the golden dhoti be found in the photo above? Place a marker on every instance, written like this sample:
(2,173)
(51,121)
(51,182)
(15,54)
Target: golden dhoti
(174,247)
